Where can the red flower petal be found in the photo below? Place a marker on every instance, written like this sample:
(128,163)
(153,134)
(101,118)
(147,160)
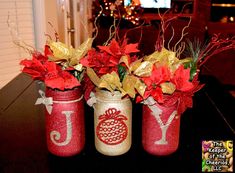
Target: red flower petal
(170,100)
(55,83)
(34,68)
(40,57)
(181,79)
(84,62)
(139,99)
(34,74)
(114,61)
(131,48)
(47,51)
(158,76)
(157,95)
(113,48)
(69,80)
(161,74)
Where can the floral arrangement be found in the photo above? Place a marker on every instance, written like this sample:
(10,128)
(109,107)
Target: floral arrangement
(166,77)
(163,77)
(170,79)
(167,80)
(108,66)
(59,66)
(169,76)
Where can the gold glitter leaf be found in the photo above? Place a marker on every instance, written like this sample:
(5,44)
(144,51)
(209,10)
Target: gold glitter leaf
(167,87)
(81,51)
(135,65)
(60,51)
(124,59)
(144,69)
(130,83)
(110,81)
(92,75)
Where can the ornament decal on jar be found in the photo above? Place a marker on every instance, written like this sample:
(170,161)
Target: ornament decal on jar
(112,129)
(112,122)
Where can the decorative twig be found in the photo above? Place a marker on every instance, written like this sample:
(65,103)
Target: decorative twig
(160,42)
(172,36)
(141,33)
(55,32)
(47,35)
(95,22)
(185,5)
(117,27)
(17,40)
(201,53)
(111,33)
(182,34)
(215,46)
(180,49)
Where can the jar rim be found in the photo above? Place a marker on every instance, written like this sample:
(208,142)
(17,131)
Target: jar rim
(102,94)
(66,95)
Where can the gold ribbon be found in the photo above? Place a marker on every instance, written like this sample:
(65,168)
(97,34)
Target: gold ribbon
(69,55)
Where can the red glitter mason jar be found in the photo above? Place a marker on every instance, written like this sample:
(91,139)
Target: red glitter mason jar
(65,131)
(160,130)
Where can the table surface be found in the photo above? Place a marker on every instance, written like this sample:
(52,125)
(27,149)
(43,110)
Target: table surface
(23,145)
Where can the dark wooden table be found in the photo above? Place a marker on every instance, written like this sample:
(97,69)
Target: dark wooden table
(23,146)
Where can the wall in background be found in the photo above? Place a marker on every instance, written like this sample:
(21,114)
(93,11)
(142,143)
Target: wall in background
(19,15)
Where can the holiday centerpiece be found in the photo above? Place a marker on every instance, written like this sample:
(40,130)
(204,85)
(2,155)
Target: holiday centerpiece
(59,69)
(107,89)
(170,79)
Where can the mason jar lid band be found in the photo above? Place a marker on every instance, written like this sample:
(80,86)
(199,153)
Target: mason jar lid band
(48,101)
(103,100)
(93,100)
(70,101)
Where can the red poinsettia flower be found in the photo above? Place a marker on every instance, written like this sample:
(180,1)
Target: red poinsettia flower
(184,90)
(117,50)
(69,80)
(106,60)
(184,99)
(181,79)
(182,96)
(158,76)
(34,68)
(59,79)
(54,77)
(101,62)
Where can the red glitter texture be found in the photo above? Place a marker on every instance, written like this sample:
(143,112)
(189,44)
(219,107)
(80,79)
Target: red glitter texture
(57,121)
(152,132)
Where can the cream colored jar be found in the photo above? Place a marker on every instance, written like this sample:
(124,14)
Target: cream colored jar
(112,123)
